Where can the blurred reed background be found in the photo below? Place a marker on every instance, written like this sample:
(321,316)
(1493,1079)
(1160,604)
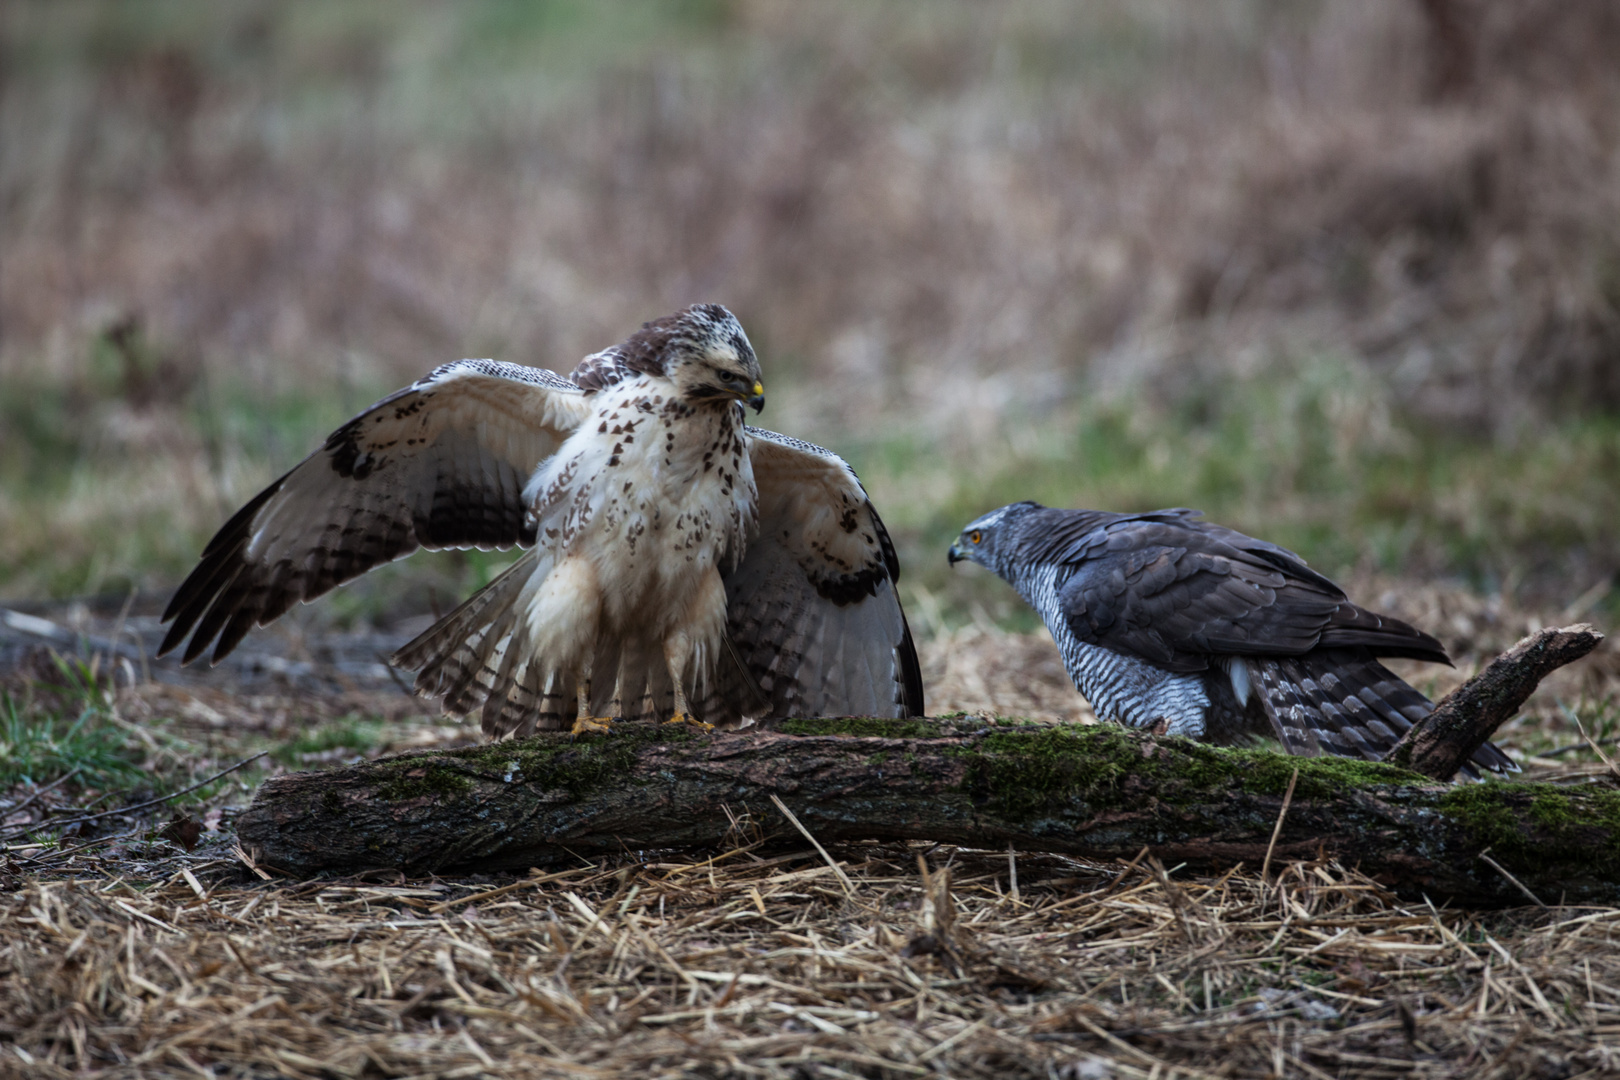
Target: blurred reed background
(1343,274)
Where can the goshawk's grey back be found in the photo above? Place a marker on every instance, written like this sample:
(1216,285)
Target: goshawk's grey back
(1171,622)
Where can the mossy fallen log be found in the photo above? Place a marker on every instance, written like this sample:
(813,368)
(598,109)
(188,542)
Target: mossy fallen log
(1093,791)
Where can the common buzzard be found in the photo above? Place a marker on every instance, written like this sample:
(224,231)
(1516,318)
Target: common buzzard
(680,564)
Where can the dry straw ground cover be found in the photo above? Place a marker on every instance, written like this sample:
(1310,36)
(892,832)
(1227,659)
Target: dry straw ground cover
(760,965)
(122,956)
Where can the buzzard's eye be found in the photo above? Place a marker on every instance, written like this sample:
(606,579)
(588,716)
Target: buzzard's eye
(975,536)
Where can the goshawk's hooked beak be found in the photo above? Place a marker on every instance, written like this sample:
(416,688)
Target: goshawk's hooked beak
(757,401)
(955,555)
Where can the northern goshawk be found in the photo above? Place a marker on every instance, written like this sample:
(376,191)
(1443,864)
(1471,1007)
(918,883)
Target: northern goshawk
(1169,622)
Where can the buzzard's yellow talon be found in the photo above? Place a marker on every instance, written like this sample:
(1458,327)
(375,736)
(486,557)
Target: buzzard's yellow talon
(690,721)
(593,725)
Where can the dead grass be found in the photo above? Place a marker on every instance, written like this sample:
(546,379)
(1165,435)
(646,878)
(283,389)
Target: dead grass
(744,965)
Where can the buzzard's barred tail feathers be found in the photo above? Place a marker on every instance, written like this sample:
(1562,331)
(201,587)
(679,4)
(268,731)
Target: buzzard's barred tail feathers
(481,658)
(463,656)
(729,693)
(1343,701)
(508,673)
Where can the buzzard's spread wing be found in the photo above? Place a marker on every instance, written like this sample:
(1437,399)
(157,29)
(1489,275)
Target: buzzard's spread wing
(440,464)
(1176,591)
(812,614)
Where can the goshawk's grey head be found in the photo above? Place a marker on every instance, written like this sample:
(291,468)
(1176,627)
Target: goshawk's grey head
(992,539)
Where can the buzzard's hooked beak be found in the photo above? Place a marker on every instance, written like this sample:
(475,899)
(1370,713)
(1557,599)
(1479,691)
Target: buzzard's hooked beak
(955,555)
(758,398)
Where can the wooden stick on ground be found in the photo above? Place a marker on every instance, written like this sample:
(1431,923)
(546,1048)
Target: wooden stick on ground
(1467,717)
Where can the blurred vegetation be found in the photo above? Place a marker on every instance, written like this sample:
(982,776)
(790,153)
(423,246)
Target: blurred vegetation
(1344,276)
(45,737)
(62,727)
(1306,454)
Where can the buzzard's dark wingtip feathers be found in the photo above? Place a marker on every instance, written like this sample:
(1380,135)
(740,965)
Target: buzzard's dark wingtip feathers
(911,681)
(195,597)
(172,639)
(194,648)
(224,605)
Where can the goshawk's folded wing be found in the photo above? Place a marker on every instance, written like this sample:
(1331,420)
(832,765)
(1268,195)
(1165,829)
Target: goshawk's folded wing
(439,464)
(1176,591)
(812,612)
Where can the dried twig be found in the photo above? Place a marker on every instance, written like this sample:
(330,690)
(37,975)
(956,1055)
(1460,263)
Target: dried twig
(843,878)
(123,810)
(1515,882)
(53,785)
(1282,814)
(1596,749)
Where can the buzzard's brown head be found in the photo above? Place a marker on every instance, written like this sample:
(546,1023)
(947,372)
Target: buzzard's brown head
(702,349)
(708,356)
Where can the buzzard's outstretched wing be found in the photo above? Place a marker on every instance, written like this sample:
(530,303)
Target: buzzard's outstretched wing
(1177,591)
(812,614)
(439,464)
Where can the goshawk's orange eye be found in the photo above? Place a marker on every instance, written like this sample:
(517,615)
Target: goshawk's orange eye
(975,536)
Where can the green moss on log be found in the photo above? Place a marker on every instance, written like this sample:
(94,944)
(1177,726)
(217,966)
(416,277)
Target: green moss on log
(1569,826)
(413,780)
(1022,769)
(551,762)
(866,727)
(1023,772)
(1265,772)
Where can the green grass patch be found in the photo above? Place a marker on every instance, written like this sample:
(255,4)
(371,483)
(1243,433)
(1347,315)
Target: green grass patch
(352,733)
(64,727)
(41,743)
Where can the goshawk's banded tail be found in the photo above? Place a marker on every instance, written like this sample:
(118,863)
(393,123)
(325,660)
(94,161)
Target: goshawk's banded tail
(1344,702)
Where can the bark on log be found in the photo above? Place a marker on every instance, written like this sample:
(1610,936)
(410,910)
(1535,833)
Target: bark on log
(1095,791)
(1438,744)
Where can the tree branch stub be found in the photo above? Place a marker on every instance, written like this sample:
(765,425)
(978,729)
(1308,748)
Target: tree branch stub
(1439,744)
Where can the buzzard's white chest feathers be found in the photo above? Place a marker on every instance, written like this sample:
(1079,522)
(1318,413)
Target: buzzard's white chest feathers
(654,494)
